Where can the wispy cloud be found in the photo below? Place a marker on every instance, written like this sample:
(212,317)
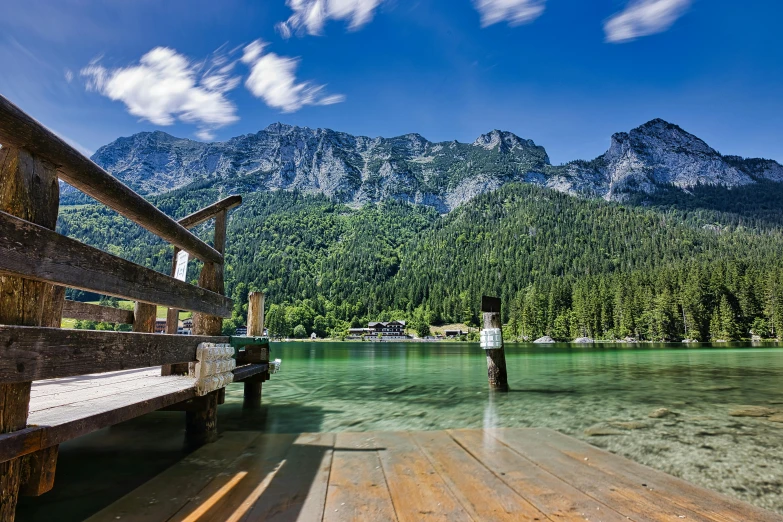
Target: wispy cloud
(515,12)
(311,15)
(165,86)
(273,79)
(644,17)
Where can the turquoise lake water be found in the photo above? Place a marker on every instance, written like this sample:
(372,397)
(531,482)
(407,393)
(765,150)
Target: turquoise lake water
(603,394)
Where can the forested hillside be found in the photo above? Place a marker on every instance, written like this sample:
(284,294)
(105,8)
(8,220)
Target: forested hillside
(564,266)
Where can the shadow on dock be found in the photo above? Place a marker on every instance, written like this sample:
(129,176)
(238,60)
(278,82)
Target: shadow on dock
(101,468)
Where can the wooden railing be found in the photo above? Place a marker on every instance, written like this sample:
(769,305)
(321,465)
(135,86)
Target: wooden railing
(37,263)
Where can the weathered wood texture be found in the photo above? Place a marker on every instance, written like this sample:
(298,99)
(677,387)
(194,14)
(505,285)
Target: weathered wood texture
(28,189)
(38,471)
(201,425)
(201,422)
(37,253)
(494,474)
(19,130)
(211,278)
(255,328)
(211,211)
(63,409)
(91,312)
(145,315)
(255,314)
(496,358)
(30,353)
(250,371)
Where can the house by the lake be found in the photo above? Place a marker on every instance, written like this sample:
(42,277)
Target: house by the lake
(386,331)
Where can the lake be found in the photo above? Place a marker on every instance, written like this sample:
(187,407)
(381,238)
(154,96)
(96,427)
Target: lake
(603,394)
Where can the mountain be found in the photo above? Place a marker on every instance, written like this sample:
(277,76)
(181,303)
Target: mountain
(656,155)
(348,168)
(357,169)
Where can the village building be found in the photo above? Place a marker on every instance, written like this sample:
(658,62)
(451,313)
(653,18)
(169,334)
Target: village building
(387,331)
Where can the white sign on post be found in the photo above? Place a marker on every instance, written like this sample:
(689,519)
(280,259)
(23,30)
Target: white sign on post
(181,272)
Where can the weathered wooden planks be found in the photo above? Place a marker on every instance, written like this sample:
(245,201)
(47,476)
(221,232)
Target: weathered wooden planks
(17,129)
(357,486)
(32,353)
(508,474)
(211,211)
(91,312)
(34,252)
(82,411)
(169,492)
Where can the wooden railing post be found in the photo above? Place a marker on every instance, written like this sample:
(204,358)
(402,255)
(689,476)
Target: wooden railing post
(255,328)
(144,317)
(172,323)
(201,425)
(29,189)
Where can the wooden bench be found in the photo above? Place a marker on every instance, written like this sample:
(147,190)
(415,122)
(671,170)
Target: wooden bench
(87,380)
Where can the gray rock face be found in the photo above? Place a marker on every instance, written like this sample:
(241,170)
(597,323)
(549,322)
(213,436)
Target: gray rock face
(358,169)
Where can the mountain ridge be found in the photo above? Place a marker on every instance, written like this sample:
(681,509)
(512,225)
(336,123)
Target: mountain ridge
(444,175)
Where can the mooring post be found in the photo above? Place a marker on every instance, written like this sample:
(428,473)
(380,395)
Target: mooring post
(492,342)
(255,328)
(201,425)
(29,189)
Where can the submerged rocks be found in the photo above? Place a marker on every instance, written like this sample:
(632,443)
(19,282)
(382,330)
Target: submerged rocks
(659,413)
(778,417)
(544,340)
(599,430)
(752,411)
(630,425)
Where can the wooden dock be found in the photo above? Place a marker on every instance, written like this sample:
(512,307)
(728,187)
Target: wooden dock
(493,474)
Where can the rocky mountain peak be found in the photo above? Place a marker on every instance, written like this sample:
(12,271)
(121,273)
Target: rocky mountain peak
(358,169)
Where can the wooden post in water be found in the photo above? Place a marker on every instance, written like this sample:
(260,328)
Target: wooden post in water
(29,189)
(496,358)
(201,425)
(255,328)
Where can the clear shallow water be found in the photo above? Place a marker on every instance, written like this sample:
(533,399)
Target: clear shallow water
(575,389)
(427,386)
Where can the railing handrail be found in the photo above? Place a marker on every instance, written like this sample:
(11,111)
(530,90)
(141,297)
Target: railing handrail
(211,211)
(19,130)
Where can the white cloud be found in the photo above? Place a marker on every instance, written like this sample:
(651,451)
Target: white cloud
(68,75)
(166,86)
(644,17)
(515,12)
(273,79)
(311,15)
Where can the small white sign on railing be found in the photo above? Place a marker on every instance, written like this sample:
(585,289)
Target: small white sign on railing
(181,271)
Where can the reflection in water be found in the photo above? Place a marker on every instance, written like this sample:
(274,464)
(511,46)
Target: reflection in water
(603,394)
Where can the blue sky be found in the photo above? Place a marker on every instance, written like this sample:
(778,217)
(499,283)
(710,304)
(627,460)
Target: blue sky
(565,73)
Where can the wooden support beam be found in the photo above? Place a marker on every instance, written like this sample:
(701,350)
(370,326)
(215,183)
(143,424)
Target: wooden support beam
(31,354)
(249,371)
(145,316)
(91,312)
(211,211)
(201,423)
(201,426)
(37,253)
(496,358)
(254,354)
(38,472)
(28,189)
(19,130)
